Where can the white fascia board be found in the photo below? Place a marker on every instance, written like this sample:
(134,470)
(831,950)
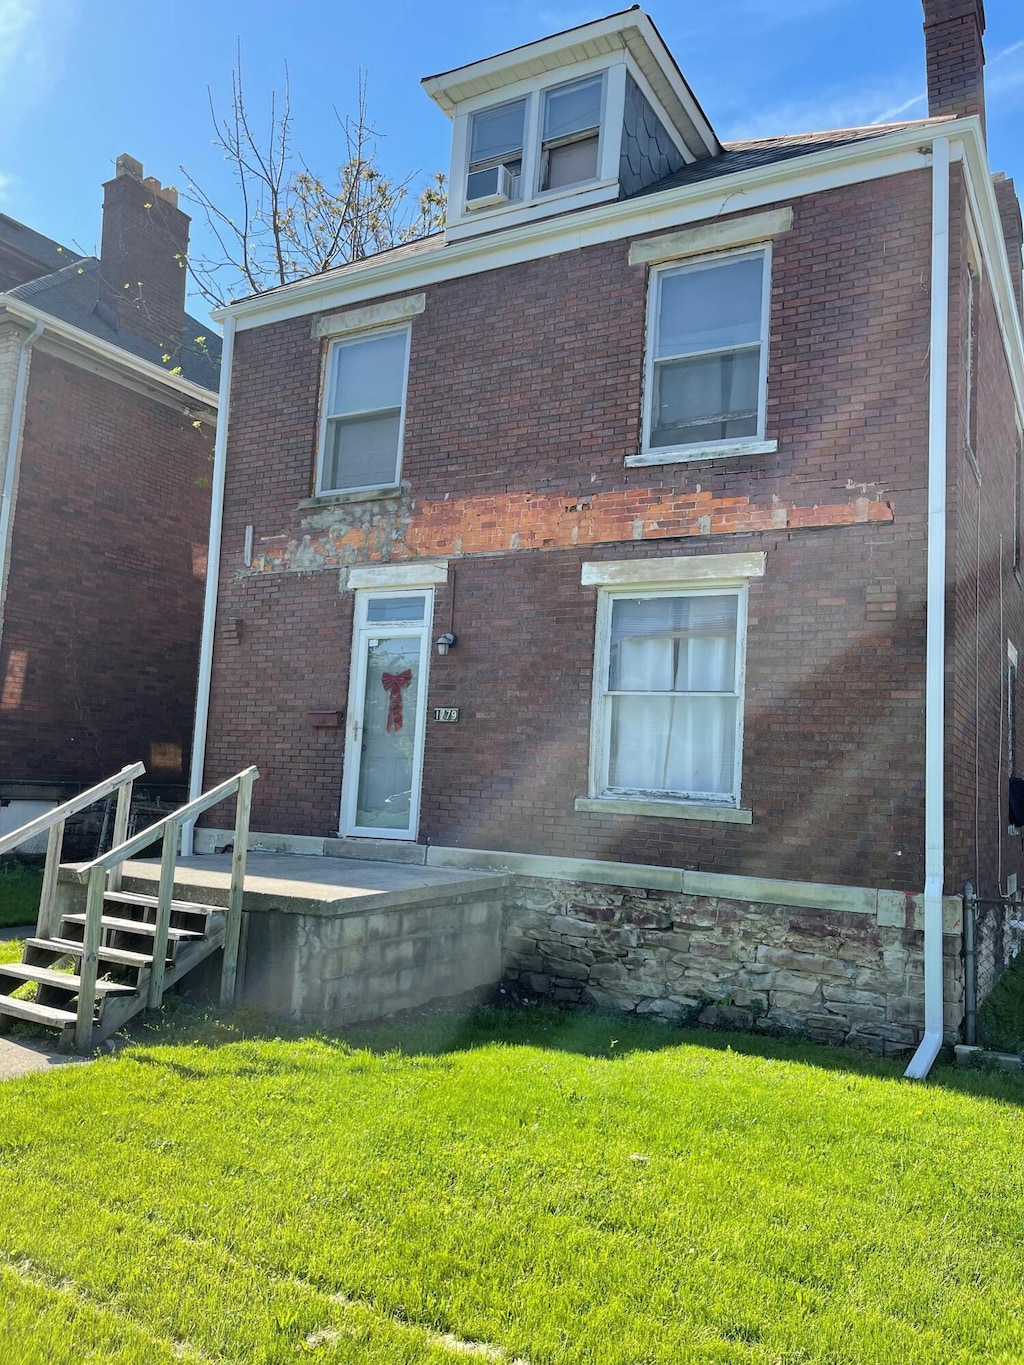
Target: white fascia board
(671,569)
(532,59)
(970,150)
(889,154)
(648,50)
(112,357)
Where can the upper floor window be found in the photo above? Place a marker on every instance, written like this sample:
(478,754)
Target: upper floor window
(707,352)
(548,140)
(496,155)
(363,412)
(571,133)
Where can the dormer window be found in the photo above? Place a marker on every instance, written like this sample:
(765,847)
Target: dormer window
(496,155)
(571,134)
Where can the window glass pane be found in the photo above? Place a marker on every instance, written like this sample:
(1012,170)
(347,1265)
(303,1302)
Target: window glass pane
(495,132)
(395,609)
(571,164)
(572,108)
(673,745)
(705,308)
(664,644)
(707,399)
(390,715)
(361,452)
(368,374)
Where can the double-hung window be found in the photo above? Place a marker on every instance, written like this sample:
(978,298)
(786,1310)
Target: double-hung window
(363,412)
(496,153)
(668,694)
(571,133)
(707,352)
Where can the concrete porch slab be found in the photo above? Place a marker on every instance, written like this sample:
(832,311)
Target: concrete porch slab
(294,884)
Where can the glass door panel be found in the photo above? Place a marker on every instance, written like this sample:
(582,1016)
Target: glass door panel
(389,734)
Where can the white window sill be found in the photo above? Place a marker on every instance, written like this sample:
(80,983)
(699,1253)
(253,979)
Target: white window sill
(672,810)
(357,495)
(718,450)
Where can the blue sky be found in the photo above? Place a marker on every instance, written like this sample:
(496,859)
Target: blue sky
(83,80)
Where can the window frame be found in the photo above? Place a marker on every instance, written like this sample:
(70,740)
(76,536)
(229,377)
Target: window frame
(335,343)
(542,97)
(704,449)
(601,709)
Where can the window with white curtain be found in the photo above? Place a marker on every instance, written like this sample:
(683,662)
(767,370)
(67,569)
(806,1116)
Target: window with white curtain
(707,351)
(669,714)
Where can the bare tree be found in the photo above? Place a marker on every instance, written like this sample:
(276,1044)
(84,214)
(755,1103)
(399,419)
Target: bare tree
(284,221)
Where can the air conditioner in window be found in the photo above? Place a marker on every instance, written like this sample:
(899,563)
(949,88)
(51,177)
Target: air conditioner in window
(485,189)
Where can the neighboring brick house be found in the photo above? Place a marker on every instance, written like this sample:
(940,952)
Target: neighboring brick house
(696,449)
(107,424)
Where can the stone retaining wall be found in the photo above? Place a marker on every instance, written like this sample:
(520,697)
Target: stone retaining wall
(837,976)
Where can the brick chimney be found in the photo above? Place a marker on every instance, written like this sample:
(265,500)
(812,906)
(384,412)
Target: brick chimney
(142,255)
(1013,233)
(953,30)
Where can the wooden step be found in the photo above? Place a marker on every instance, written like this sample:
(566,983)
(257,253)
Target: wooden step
(178,907)
(37,1014)
(45,976)
(68,947)
(133,926)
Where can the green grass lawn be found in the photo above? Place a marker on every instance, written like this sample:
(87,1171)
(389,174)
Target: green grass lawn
(543,1187)
(20,885)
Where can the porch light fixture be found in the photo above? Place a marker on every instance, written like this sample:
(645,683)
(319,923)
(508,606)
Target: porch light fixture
(445,642)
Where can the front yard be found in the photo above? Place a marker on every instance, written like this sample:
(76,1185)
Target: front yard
(535,1187)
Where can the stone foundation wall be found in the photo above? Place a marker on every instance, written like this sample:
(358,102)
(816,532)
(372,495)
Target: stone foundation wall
(836,976)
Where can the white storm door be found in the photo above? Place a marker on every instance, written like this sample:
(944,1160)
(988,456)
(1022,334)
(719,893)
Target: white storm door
(386,714)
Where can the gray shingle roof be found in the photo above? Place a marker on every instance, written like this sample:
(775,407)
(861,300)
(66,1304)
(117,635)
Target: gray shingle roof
(72,294)
(34,245)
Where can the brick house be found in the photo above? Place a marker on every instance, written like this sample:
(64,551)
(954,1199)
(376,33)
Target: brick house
(107,421)
(653,533)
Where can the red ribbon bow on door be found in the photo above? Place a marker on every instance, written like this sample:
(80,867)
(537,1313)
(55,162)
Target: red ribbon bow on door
(393,683)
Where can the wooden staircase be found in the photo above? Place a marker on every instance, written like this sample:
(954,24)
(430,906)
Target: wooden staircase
(93,970)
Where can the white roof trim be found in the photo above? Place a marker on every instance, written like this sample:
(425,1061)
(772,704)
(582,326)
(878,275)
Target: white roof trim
(112,356)
(888,154)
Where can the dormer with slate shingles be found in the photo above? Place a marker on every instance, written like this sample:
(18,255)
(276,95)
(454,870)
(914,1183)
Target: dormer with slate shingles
(593,114)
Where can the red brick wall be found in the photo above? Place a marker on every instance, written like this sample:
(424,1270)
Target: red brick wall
(524,398)
(105,594)
(987,603)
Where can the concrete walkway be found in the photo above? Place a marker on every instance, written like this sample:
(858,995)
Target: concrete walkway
(21,1057)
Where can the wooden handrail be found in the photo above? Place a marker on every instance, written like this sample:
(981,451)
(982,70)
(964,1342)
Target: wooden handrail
(42,823)
(151,833)
(96,875)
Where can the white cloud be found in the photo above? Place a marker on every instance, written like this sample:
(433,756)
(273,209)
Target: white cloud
(835,108)
(1004,77)
(6,185)
(31,40)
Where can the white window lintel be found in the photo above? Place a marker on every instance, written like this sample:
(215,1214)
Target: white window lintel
(414,575)
(373,315)
(678,569)
(709,237)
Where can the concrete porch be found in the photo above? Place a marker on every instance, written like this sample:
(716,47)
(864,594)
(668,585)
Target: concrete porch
(336,941)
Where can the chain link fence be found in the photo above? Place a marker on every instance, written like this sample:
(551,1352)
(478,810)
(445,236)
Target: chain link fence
(993,936)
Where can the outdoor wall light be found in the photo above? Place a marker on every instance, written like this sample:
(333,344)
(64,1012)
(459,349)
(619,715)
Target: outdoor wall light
(445,642)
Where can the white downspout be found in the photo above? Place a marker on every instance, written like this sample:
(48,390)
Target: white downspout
(934,784)
(13,450)
(212,580)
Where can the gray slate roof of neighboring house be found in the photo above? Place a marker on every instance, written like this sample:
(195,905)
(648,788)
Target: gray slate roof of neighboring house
(34,245)
(72,295)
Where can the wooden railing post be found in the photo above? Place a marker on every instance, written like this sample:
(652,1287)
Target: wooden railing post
(48,895)
(121,817)
(233,925)
(90,957)
(168,862)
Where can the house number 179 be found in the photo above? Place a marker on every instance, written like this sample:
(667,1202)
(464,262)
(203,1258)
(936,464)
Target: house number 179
(448,713)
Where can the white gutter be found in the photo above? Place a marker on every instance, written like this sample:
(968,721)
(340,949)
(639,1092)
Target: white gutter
(13,452)
(934,757)
(212,581)
(78,340)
